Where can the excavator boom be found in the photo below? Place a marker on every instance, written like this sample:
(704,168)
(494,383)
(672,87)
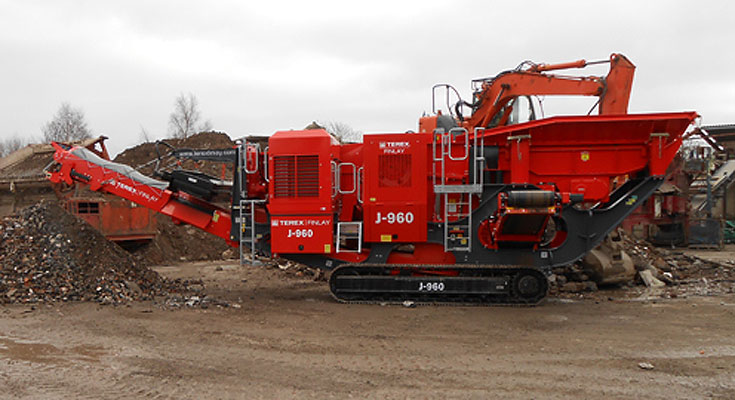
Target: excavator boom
(492,102)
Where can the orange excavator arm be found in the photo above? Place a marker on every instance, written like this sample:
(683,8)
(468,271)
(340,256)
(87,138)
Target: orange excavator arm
(613,90)
(495,94)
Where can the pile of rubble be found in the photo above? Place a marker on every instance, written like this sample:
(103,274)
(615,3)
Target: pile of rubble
(175,243)
(678,274)
(571,279)
(49,255)
(672,273)
(286,267)
(296,269)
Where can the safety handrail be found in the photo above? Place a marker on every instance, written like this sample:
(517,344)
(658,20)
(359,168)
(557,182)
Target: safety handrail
(359,184)
(256,146)
(354,178)
(447,138)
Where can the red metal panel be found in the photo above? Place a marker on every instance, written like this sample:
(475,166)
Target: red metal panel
(301,234)
(520,158)
(583,154)
(301,191)
(295,188)
(395,182)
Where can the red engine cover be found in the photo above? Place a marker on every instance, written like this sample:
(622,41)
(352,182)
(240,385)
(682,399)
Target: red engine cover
(395,183)
(301,191)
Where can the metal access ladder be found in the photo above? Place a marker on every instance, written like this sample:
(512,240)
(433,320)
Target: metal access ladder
(246,207)
(349,231)
(248,234)
(457,198)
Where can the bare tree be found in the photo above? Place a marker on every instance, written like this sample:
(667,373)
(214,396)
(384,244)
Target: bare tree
(184,121)
(343,131)
(10,145)
(68,125)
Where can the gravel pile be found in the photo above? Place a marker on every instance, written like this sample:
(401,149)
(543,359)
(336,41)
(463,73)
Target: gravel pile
(48,255)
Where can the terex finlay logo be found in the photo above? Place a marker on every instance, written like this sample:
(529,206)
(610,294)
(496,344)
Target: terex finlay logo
(300,222)
(394,147)
(140,193)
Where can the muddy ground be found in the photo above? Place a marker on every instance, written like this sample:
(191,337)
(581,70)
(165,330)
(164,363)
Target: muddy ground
(284,337)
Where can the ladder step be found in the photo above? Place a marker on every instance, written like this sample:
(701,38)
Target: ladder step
(471,188)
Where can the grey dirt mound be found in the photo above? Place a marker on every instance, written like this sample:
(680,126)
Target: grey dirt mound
(49,255)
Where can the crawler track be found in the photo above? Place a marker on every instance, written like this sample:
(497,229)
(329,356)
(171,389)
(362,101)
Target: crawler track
(438,284)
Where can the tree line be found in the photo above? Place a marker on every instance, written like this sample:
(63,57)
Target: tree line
(70,125)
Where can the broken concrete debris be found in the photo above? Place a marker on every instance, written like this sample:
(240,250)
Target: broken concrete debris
(195,301)
(677,274)
(645,365)
(294,269)
(649,280)
(49,255)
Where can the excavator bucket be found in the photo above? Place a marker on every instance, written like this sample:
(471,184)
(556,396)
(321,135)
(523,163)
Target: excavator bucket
(608,263)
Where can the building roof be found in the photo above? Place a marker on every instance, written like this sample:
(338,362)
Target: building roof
(722,133)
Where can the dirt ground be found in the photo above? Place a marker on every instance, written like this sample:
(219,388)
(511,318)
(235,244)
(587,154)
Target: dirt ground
(284,337)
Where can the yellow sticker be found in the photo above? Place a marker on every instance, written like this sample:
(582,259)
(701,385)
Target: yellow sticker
(215,217)
(585,156)
(386,238)
(327,248)
(372,199)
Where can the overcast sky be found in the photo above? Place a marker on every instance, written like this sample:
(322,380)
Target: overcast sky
(259,67)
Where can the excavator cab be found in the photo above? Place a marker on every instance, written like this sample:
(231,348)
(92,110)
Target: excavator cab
(524,109)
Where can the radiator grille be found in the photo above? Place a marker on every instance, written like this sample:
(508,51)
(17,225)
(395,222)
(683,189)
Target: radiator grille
(296,176)
(394,170)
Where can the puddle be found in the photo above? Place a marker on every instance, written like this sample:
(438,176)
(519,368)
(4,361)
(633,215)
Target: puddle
(29,351)
(87,353)
(23,350)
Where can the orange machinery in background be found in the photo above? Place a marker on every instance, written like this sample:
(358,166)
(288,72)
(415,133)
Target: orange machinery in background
(117,219)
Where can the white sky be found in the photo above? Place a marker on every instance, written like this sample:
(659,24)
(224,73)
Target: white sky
(259,67)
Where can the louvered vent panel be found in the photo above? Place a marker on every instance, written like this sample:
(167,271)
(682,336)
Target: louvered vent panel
(283,176)
(307,180)
(296,176)
(394,170)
